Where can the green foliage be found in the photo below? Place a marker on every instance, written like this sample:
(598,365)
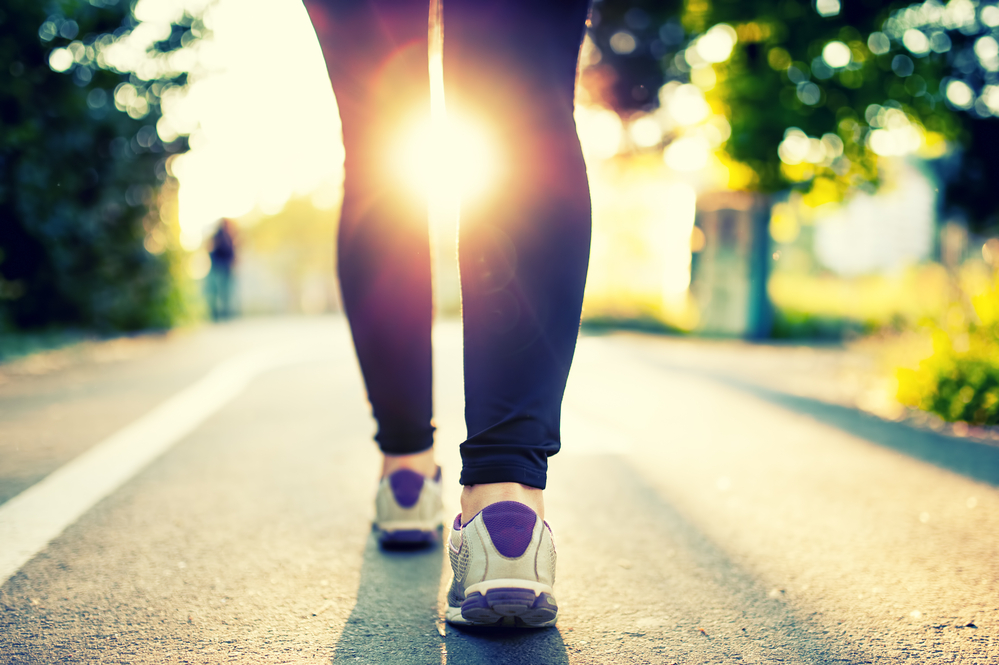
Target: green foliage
(81,169)
(791,324)
(901,60)
(778,84)
(957,385)
(969,391)
(761,86)
(960,379)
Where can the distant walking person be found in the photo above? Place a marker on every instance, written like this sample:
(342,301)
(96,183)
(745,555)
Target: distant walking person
(523,252)
(222,251)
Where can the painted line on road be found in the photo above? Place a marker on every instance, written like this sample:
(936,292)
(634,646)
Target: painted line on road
(36,516)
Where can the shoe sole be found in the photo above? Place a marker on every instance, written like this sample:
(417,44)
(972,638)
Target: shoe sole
(408,536)
(514,604)
(412,532)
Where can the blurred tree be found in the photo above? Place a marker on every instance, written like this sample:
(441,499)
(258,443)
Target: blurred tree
(816,91)
(82,164)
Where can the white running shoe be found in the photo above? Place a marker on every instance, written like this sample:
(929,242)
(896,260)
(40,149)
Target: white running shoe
(504,569)
(408,508)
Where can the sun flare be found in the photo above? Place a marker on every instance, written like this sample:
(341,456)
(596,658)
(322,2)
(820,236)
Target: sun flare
(449,161)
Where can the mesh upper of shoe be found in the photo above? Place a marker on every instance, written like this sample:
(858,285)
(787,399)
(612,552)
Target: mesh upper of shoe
(459,556)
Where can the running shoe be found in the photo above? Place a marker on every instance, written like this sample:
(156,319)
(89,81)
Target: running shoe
(503,561)
(408,508)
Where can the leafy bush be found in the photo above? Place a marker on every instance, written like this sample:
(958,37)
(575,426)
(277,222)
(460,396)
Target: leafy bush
(960,380)
(82,167)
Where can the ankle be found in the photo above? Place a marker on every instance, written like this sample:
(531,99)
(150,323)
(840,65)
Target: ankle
(423,463)
(476,497)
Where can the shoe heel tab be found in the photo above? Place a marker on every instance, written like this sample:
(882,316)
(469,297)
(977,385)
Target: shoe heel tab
(406,486)
(510,525)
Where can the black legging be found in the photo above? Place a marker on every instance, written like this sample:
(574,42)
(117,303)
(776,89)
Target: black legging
(523,247)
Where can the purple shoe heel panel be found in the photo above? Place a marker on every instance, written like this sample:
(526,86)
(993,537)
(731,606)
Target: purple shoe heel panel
(510,525)
(457,522)
(406,487)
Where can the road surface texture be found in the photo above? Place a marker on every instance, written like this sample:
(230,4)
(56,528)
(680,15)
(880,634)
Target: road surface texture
(709,506)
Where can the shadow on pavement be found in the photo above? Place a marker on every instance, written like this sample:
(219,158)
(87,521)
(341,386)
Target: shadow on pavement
(474,646)
(395,618)
(974,460)
(978,461)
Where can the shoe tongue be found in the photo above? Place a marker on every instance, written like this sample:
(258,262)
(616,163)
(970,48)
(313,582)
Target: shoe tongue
(510,525)
(406,487)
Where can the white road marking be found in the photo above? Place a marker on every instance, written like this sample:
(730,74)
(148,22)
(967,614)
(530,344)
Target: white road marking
(36,516)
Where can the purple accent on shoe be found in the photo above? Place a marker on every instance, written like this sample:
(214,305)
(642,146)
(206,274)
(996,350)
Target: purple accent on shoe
(524,597)
(510,525)
(545,601)
(457,522)
(406,487)
(474,601)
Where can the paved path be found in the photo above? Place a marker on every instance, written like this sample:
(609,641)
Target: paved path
(704,512)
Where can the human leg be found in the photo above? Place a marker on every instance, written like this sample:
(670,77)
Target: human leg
(376,56)
(523,254)
(523,248)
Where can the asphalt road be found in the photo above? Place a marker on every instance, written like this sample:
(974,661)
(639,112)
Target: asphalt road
(706,509)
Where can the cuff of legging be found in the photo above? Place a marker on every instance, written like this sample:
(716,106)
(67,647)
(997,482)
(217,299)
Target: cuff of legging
(409,446)
(504,474)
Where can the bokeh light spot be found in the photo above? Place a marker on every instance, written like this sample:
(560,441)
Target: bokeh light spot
(623,42)
(960,94)
(940,42)
(902,65)
(836,54)
(916,41)
(878,43)
(689,153)
(686,105)
(809,93)
(827,8)
(717,43)
(60,59)
(987,50)
(645,132)
(794,148)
